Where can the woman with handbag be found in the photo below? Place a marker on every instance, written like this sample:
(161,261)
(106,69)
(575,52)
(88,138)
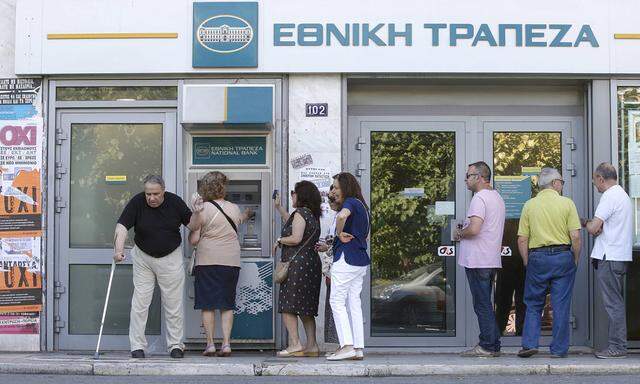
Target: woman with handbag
(217,258)
(300,271)
(349,266)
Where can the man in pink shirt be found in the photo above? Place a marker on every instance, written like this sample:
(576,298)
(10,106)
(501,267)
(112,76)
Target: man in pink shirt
(480,247)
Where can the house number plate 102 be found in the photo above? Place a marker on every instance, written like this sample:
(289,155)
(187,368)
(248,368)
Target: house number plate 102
(317,109)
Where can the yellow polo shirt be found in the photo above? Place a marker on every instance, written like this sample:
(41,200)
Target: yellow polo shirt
(547,219)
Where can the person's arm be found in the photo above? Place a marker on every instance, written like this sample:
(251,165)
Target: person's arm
(594,226)
(341,220)
(120,237)
(523,247)
(195,217)
(575,244)
(297,231)
(475,223)
(194,237)
(277,202)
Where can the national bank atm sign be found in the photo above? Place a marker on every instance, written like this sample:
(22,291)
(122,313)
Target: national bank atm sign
(225,34)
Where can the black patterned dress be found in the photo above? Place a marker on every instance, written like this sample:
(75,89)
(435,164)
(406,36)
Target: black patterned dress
(300,293)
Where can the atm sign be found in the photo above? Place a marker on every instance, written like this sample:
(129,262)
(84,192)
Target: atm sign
(225,150)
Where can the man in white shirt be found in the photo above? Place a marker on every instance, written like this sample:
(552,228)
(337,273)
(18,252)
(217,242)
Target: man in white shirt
(612,225)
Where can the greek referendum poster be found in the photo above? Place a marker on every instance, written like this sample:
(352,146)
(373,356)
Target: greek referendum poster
(21,147)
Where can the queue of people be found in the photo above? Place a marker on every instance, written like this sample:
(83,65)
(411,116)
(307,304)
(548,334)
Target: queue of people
(548,240)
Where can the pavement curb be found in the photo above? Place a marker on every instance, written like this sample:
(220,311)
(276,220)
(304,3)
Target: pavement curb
(168,369)
(386,370)
(48,368)
(584,369)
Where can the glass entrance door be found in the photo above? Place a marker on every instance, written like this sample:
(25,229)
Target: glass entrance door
(412,176)
(516,151)
(102,159)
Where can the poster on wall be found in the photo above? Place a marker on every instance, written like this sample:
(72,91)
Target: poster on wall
(21,147)
(633,151)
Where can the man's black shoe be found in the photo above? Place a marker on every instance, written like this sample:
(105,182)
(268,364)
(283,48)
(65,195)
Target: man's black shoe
(137,354)
(177,353)
(526,352)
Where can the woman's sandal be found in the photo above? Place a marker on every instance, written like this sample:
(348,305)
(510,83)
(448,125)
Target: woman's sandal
(209,351)
(310,353)
(225,351)
(286,353)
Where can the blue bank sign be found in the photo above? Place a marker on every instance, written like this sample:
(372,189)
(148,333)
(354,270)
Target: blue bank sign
(225,34)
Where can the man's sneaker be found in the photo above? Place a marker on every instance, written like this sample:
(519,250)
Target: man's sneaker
(478,351)
(177,353)
(137,354)
(359,354)
(610,354)
(527,352)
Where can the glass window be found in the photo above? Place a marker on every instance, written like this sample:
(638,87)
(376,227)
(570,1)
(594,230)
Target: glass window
(87,290)
(116,93)
(629,171)
(108,164)
(412,288)
(517,160)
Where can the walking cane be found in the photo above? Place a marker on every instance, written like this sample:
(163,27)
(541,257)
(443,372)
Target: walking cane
(96,356)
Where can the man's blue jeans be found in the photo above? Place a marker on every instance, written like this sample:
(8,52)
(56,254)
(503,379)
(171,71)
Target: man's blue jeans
(481,284)
(555,270)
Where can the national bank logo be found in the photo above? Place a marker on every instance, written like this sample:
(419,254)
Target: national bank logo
(225,34)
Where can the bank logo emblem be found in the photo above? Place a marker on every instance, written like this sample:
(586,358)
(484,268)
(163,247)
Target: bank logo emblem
(225,34)
(202,150)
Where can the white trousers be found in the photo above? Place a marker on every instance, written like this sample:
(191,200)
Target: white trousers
(169,272)
(346,285)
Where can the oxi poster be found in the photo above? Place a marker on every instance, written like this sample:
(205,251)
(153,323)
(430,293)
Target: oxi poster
(21,141)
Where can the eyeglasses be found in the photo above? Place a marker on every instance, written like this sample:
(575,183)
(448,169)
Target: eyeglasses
(560,180)
(468,175)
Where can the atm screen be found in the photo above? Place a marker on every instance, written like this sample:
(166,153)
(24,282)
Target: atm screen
(246,194)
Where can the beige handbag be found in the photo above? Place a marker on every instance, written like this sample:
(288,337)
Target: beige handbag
(282,268)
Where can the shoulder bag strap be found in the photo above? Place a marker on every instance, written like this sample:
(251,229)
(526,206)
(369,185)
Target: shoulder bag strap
(305,243)
(233,225)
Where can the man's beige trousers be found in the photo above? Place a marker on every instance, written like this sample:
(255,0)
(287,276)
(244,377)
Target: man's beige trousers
(169,272)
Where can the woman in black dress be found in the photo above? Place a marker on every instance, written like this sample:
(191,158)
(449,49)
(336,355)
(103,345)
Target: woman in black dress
(300,293)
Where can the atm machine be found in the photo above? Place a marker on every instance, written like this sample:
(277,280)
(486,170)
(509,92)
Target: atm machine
(244,152)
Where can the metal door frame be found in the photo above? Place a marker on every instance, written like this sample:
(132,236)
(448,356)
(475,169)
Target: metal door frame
(573,157)
(64,119)
(359,137)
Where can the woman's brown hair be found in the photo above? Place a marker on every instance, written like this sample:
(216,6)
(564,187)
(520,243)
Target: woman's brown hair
(350,187)
(212,186)
(308,195)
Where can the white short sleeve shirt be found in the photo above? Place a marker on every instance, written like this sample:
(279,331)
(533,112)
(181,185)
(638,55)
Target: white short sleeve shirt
(616,239)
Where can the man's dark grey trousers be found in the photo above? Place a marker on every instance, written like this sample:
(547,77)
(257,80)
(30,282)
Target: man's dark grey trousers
(610,275)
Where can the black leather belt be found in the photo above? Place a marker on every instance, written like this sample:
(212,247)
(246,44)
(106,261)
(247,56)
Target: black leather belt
(552,248)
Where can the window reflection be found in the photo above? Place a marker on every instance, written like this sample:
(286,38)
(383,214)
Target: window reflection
(629,176)
(412,290)
(518,158)
(108,164)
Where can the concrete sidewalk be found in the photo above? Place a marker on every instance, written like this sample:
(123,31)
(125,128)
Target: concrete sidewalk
(266,364)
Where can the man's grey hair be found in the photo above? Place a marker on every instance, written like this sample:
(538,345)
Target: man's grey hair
(154,179)
(607,171)
(547,175)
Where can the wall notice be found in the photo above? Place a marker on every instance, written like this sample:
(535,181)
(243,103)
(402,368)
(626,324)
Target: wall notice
(21,147)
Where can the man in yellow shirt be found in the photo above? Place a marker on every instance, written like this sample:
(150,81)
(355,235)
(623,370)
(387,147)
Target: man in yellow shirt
(549,242)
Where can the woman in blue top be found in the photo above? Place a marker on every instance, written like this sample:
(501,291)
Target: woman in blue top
(349,267)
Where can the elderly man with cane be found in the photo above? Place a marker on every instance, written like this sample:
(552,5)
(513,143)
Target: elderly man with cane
(156,216)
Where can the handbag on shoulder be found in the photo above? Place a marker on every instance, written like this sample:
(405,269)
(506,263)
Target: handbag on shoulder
(282,268)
